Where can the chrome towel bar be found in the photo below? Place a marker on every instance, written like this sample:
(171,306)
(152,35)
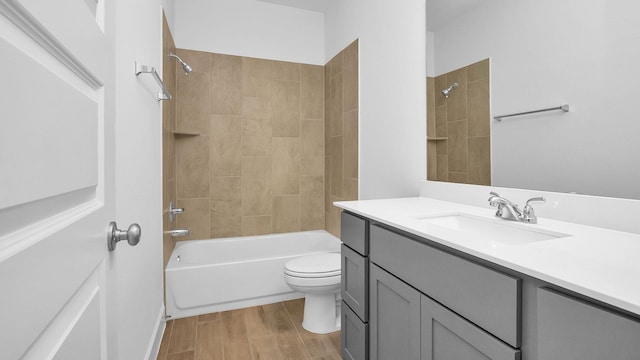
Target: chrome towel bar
(564,108)
(163,94)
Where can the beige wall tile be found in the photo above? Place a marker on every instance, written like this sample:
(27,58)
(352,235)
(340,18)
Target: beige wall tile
(311,202)
(335,65)
(226,218)
(350,90)
(334,217)
(226,145)
(259,68)
(312,91)
(256,86)
(285,107)
(457,101)
(480,161)
(336,166)
(349,189)
(286,71)
(286,166)
(479,70)
(192,167)
(440,84)
(256,225)
(336,109)
(443,167)
(457,146)
(458,177)
(256,185)
(193,93)
(350,57)
(431,107)
(226,84)
(195,218)
(312,148)
(256,126)
(441,121)
(225,187)
(350,144)
(286,213)
(479,117)
(432,161)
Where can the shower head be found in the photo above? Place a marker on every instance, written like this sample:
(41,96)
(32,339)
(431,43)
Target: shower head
(446,91)
(185,67)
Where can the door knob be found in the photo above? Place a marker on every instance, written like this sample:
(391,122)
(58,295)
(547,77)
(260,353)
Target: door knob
(132,235)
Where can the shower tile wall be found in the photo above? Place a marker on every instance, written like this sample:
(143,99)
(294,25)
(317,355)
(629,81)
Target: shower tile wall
(458,127)
(256,165)
(341,135)
(168,146)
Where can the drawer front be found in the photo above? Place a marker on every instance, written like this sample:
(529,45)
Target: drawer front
(354,233)
(446,335)
(354,336)
(355,282)
(486,297)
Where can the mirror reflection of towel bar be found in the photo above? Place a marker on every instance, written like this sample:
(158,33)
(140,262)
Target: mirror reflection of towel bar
(564,108)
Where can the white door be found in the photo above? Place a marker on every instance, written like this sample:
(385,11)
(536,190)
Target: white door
(56,179)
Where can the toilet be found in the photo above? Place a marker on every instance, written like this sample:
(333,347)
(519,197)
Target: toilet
(318,277)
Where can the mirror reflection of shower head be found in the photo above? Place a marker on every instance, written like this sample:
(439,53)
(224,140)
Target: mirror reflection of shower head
(187,69)
(446,91)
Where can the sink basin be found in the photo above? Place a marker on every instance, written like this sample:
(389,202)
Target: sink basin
(494,231)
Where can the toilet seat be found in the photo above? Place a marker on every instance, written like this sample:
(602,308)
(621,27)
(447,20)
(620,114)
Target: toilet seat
(314,266)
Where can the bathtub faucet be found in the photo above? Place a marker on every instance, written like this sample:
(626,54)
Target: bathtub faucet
(178,232)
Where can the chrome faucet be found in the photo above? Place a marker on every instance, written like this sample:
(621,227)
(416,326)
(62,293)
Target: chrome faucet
(510,211)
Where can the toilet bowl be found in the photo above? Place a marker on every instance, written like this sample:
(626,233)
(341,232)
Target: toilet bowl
(318,277)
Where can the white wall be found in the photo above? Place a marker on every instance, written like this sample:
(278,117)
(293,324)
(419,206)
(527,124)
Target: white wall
(169,7)
(547,53)
(392,90)
(138,269)
(250,28)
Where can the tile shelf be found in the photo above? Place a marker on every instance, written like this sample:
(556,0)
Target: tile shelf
(437,138)
(185,133)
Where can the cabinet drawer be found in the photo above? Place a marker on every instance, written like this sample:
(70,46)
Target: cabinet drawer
(355,282)
(354,233)
(486,297)
(354,336)
(446,335)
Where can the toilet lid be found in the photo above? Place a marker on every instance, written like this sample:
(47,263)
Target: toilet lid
(320,265)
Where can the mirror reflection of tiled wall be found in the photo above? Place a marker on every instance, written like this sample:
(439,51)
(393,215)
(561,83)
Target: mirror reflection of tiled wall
(458,127)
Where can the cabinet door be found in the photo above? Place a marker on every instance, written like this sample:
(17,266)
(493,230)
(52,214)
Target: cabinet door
(355,282)
(354,336)
(394,317)
(572,329)
(445,335)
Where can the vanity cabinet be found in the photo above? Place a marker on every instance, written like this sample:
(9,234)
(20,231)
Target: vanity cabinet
(355,287)
(419,299)
(570,328)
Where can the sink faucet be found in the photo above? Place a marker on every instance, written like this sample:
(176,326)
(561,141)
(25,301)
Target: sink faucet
(510,211)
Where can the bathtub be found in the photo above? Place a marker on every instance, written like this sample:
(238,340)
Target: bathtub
(205,276)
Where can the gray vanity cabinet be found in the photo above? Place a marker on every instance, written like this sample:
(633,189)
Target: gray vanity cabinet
(569,328)
(394,318)
(445,335)
(355,287)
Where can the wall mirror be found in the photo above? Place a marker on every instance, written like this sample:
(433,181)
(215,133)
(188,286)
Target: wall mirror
(547,53)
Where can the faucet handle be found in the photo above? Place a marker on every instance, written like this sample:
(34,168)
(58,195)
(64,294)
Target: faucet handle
(528,215)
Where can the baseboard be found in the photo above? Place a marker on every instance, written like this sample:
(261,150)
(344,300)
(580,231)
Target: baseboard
(156,339)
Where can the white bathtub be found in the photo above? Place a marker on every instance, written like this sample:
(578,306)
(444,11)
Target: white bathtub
(205,276)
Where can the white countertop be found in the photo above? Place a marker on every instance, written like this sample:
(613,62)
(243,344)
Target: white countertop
(599,263)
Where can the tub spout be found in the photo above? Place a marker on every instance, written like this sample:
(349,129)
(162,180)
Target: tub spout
(178,232)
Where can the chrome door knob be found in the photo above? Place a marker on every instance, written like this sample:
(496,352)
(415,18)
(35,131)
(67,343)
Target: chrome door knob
(132,235)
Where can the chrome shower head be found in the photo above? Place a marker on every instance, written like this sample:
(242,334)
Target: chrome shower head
(185,67)
(446,91)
